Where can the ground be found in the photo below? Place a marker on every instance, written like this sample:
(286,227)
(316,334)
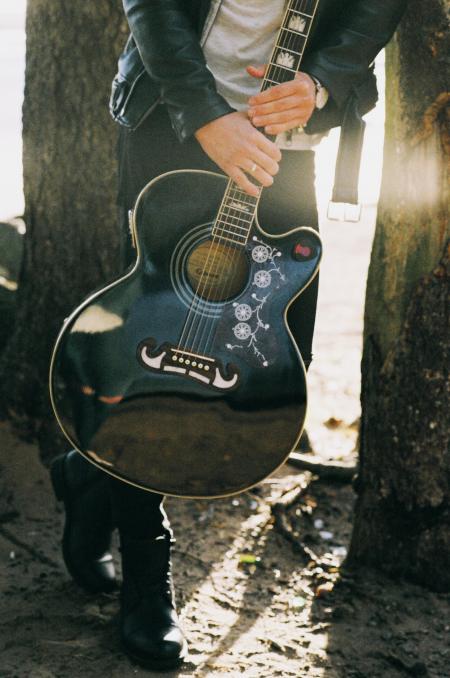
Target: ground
(251,604)
(277,615)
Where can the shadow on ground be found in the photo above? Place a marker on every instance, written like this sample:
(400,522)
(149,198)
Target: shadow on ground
(278,614)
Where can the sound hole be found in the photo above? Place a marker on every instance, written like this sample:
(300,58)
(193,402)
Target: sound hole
(217,272)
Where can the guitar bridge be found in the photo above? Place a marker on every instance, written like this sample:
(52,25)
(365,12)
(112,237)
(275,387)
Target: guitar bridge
(177,361)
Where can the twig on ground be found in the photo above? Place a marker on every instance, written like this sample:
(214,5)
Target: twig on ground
(336,472)
(7,534)
(282,524)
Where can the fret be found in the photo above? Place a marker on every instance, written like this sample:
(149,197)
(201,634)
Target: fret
(237,236)
(222,224)
(286,68)
(223,221)
(269,83)
(233,189)
(229,223)
(238,206)
(289,30)
(287,59)
(288,49)
(298,37)
(307,7)
(297,11)
(241,212)
(297,22)
(227,240)
(242,200)
(244,214)
(236,194)
(238,219)
(220,236)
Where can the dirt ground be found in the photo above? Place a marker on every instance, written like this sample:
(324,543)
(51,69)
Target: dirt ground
(280,615)
(251,604)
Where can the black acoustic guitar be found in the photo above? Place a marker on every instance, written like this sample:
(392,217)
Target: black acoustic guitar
(182,377)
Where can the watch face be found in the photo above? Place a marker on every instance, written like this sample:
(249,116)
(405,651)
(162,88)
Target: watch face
(321,95)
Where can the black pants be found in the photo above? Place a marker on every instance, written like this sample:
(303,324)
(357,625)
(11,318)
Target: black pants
(146,153)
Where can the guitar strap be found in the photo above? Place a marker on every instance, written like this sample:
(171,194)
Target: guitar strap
(348,162)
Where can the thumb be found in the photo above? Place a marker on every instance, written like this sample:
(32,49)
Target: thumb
(256,71)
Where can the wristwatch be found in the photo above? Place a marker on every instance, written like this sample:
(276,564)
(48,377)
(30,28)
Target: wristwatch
(321,99)
(321,94)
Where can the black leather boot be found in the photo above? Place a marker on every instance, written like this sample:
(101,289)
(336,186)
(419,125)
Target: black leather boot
(149,627)
(86,543)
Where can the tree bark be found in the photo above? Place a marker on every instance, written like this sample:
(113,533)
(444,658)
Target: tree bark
(402,517)
(72,240)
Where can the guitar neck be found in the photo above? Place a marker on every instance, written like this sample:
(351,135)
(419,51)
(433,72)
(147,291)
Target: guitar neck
(238,209)
(287,54)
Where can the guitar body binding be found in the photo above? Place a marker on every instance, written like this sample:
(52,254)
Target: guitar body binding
(181,377)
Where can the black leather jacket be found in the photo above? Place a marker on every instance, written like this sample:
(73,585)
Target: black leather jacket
(163,62)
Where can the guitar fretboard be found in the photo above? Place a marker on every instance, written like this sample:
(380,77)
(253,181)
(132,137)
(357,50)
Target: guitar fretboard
(238,209)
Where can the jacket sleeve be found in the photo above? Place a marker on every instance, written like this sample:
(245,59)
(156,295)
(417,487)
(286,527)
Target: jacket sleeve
(342,60)
(171,53)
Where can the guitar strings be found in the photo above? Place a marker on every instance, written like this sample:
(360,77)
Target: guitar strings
(273,72)
(197,299)
(291,42)
(202,283)
(236,196)
(213,246)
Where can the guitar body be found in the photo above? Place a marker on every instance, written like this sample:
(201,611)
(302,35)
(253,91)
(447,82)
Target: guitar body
(181,382)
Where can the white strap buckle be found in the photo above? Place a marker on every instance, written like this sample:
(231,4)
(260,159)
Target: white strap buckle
(343,211)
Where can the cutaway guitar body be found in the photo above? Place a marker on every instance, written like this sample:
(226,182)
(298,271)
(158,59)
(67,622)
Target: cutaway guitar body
(182,377)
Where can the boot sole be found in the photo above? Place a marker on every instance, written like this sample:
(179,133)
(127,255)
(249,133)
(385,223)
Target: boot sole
(156,664)
(59,484)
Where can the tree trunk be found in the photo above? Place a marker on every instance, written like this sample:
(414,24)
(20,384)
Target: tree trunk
(402,522)
(72,241)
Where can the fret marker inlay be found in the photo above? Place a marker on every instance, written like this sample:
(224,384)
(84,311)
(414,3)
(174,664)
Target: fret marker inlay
(286,59)
(297,23)
(239,206)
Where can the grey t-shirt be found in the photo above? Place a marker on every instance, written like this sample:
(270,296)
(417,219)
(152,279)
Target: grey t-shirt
(239,33)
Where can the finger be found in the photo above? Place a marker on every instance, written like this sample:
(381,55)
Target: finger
(241,179)
(256,71)
(279,91)
(278,105)
(283,127)
(285,104)
(257,172)
(267,146)
(283,116)
(264,161)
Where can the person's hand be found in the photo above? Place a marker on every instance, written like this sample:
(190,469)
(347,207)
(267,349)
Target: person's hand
(282,107)
(239,149)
